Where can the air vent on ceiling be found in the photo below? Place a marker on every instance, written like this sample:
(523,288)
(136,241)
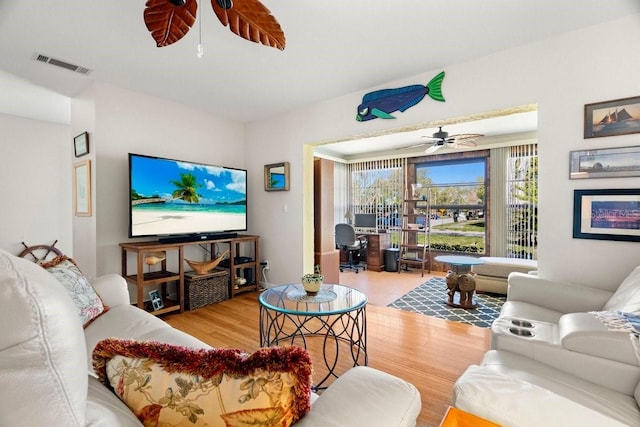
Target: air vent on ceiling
(58,63)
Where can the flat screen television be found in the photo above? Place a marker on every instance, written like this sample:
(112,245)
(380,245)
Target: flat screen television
(176,200)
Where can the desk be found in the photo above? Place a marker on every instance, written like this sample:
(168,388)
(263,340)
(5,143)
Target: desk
(460,280)
(337,314)
(376,245)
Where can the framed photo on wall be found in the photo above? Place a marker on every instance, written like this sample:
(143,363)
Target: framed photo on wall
(81,144)
(82,188)
(611,118)
(607,214)
(276,177)
(605,163)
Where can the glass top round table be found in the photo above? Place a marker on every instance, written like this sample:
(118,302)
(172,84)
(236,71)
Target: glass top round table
(336,316)
(331,299)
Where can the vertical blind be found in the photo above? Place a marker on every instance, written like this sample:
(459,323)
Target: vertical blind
(522,202)
(377,187)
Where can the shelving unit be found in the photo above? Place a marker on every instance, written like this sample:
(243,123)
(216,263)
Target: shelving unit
(415,250)
(161,277)
(250,246)
(240,247)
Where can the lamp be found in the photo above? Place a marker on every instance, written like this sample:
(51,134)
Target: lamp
(348,216)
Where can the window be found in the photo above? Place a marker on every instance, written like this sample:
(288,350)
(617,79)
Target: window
(376,187)
(458,205)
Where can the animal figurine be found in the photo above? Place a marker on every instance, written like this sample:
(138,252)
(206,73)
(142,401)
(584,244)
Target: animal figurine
(452,284)
(463,283)
(381,103)
(466,287)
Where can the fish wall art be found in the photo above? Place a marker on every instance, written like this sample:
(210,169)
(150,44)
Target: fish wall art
(381,103)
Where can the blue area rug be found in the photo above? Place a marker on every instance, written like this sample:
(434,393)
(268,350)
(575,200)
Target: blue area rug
(430,299)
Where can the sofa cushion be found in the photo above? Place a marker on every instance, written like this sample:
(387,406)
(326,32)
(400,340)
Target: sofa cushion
(502,267)
(105,409)
(595,402)
(42,358)
(510,400)
(175,385)
(627,297)
(130,322)
(88,304)
(365,397)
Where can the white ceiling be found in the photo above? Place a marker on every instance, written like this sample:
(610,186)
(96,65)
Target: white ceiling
(333,47)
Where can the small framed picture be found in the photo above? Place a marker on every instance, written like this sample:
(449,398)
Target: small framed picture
(619,162)
(81,144)
(607,214)
(611,118)
(156,301)
(82,188)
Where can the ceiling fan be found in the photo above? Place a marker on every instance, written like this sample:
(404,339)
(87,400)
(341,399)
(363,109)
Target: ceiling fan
(168,21)
(442,138)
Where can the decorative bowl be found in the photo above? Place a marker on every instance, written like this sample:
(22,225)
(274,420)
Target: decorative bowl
(203,267)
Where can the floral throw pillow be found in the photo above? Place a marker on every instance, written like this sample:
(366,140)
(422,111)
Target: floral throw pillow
(171,385)
(85,298)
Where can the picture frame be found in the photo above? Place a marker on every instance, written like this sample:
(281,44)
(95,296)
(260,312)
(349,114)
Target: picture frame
(612,118)
(81,144)
(82,188)
(619,162)
(607,214)
(156,301)
(276,177)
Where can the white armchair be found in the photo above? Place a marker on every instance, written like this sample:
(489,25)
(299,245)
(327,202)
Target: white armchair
(551,322)
(552,362)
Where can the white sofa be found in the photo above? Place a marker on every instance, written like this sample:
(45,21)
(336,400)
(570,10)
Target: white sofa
(553,362)
(45,360)
(492,275)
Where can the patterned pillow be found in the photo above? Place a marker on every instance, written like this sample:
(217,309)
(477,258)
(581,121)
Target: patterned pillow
(172,385)
(84,297)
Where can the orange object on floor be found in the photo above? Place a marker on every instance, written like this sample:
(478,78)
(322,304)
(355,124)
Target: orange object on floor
(458,418)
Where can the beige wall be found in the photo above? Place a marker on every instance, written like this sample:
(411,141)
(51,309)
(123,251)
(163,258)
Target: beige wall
(560,75)
(35,183)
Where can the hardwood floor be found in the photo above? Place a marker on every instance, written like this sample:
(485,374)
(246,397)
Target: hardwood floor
(430,353)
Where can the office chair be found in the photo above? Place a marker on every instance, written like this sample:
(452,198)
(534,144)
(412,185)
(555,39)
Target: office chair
(347,241)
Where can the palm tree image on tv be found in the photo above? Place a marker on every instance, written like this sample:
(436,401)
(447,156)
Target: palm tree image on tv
(187,188)
(174,197)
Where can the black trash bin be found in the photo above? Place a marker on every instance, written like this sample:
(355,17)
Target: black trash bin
(391,259)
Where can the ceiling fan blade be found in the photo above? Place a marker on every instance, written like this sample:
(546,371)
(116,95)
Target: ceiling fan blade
(465,139)
(251,20)
(413,146)
(168,22)
(433,148)
(464,143)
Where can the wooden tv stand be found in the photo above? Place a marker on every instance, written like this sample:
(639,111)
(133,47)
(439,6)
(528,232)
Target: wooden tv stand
(163,276)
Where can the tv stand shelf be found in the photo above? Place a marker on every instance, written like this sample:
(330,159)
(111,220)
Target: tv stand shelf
(165,276)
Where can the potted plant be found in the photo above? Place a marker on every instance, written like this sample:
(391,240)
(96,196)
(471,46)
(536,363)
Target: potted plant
(312,282)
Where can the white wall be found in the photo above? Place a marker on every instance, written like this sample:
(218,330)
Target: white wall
(127,121)
(35,184)
(560,75)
